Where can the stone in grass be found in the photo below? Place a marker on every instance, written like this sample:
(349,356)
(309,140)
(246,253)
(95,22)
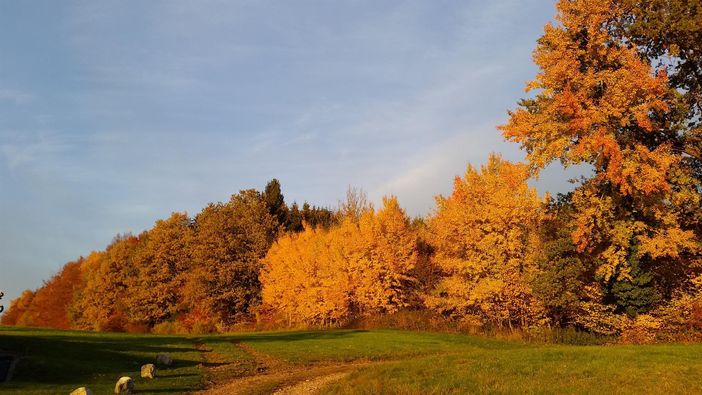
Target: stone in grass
(164,359)
(148,371)
(82,391)
(125,385)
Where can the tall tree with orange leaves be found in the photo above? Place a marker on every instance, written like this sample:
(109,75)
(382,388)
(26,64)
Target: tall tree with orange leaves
(598,101)
(484,235)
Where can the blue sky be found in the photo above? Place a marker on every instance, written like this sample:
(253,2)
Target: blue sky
(115,113)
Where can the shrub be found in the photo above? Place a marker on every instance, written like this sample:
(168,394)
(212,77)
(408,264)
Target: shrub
(641,330)
(169,328)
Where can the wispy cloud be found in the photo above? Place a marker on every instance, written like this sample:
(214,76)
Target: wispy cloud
(29,148)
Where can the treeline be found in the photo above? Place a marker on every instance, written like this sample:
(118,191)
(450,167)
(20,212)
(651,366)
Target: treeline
(619,90)
(185,273)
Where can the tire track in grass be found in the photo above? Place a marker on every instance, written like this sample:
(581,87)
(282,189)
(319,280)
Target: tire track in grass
(219,369)
(274,376)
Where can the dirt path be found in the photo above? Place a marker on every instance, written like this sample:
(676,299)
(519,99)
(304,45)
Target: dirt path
(264,362)
(311,386)
(267,375)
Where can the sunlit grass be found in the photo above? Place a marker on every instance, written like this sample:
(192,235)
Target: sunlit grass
(349,345)
(667,369)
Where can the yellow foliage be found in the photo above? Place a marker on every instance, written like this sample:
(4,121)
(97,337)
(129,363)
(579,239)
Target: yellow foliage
(597,317)
(363,266)
(484,234)
(641,330)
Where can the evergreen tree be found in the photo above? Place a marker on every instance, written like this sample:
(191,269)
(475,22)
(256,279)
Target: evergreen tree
(275,201)
(294,221)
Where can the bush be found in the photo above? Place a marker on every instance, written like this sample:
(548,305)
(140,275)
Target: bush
(641,330)
(681,318)
(568,335)
(135,327)
(169,328)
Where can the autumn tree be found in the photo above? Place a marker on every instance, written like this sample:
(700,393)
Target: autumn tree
(355,204)
(301,280)
(155,292)
(230,239)
(365,265)
(15,315)
(669,34)
(599,101)
(102,303)
(484,235)
(383,274)
(51,302)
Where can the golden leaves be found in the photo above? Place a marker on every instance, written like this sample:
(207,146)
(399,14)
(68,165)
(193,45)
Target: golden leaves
(482,234)
(592,88)
(363,266)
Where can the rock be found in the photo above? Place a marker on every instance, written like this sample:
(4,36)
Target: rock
(164,359)
(82,391)
(125,385)
(148,371)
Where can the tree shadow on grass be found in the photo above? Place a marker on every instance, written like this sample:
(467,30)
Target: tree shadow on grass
(80,359)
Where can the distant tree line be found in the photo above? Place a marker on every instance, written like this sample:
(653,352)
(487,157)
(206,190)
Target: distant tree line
(202,270)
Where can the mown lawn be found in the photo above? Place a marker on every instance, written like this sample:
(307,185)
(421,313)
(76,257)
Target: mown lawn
(400,362)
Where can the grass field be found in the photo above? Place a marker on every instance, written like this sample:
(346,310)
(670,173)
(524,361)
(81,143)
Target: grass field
(372,362)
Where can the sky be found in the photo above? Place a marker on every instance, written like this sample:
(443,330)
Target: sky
(116,113)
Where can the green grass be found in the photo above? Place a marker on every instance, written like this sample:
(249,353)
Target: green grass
(349,345)
(669,369)
(401,362)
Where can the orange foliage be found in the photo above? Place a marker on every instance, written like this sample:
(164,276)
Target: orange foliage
(15,315)
(51,303)
(600,102)
(100,304)
(594,91)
